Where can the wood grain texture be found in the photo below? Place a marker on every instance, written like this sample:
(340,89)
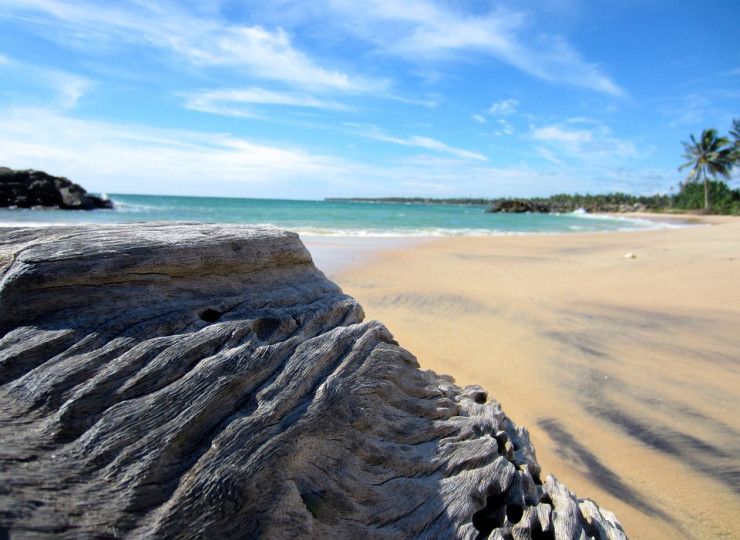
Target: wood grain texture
(206,381)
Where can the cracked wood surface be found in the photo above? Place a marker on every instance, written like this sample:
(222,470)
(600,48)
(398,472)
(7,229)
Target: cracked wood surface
(190,380)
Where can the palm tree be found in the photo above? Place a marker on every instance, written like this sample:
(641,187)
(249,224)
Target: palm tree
(735,134)
(711,155)
(735,131)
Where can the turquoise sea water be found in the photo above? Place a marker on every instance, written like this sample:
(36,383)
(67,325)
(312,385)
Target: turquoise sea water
(330,218)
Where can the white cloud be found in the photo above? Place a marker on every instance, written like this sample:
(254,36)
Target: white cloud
(422,142)
(235,102)
(423,30)
(70,88)
(429,103)
(166,26)
(479,118)
(420,31)
(582,120)
(119,158)
(689,110)
(595,145)
(113,157)
(432,144)
(560,136)
(49,85)
(271,55)
(549,155)
(506,128)
(504,107)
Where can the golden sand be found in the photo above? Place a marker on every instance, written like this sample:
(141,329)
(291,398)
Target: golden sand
(619,351)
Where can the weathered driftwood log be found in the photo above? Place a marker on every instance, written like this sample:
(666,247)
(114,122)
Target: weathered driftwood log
(209,382)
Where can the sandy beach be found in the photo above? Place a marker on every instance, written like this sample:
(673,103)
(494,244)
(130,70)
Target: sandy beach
(619,351)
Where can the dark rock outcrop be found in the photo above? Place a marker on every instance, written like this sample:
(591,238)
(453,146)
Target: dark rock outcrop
(36,189)
(550,206)
(517,206)
(203,381)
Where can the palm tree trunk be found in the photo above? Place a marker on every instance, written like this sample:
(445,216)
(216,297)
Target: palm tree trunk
(706,194)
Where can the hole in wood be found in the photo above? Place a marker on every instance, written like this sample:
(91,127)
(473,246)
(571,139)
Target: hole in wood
(514,513)
(501,439)
(265,327)
(491,517)
(539,534)
(210,315)
(314,503)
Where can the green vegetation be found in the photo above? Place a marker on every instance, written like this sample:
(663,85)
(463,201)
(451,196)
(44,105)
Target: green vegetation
(711,155)
(693,197)
(735,134)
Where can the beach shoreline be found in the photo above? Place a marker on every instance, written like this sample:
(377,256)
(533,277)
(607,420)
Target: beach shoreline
(617,350)
(337,254)
(685,218)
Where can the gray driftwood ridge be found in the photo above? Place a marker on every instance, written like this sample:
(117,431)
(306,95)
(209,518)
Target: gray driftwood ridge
(205,381)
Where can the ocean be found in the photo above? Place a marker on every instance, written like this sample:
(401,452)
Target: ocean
(331,218)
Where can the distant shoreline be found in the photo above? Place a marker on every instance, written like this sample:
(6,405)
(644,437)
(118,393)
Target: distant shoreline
(453,201)
(615,203)
(618,204)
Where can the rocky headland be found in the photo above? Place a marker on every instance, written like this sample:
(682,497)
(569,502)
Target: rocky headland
(203,381)
(38,190)
(554,205)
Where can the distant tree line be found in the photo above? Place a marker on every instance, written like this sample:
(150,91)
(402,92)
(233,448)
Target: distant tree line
(690,197)
(461,201)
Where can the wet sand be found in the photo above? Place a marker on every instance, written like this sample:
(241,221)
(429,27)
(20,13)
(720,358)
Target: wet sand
(625,370)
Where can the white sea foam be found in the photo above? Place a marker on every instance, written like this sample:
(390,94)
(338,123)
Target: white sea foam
(399,233)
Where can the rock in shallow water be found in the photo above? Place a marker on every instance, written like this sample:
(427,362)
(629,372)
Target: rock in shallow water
(183,380)
(36,189)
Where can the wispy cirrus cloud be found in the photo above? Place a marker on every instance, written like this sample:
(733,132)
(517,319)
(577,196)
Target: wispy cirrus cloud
(415,141)
(60,88)
(437,146)
(418,31)
(560,143)
(241,102)
(426,30)
(691,109)
(271,55)
(169,27)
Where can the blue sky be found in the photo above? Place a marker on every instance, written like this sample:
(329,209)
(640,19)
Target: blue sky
(322,98)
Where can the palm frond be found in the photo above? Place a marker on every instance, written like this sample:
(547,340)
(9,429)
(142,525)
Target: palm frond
(735,131)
